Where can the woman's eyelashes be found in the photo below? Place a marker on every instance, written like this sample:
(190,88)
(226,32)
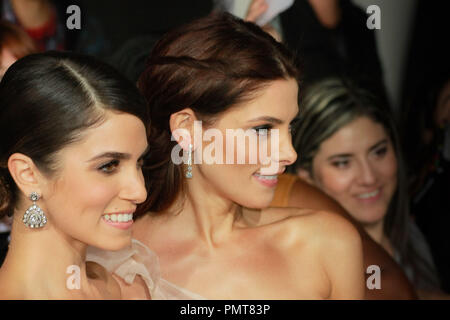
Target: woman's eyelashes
(109,167)
(263,130)
(291,129)
(344,163)
(140,163)
(113,165)
(341,164)
(293,125)
(381,152)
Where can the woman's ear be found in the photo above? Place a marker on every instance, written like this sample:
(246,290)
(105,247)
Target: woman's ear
(305,175)
(182,127)
(25,174)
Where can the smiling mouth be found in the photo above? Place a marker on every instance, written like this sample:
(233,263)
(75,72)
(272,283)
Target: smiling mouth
(266,177)
(369,195)
(267,180)
(118,217)
(269,176)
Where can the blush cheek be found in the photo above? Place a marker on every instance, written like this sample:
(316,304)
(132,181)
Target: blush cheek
(338,186)
(334,183)
(88,201)
(98,198)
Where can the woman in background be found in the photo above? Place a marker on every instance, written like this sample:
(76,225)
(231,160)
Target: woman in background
(14,44)
(350,150)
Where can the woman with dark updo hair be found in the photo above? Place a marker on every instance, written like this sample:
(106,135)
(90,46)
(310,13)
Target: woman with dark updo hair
(69,175)
(207,220)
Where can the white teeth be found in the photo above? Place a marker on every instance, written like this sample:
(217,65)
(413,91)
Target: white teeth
(271,177)
(122,217)
(369,195)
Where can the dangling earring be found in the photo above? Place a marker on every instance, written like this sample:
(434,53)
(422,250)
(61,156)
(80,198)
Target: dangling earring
(34,216)
(189,163)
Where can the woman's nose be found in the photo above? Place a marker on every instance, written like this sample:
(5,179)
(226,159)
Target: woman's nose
(134,188)
(367,174)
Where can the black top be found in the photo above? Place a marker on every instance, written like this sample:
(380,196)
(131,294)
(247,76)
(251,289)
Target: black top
(3,246)
(349,49)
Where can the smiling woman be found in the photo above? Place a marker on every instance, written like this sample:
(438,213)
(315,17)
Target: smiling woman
(350,150)
(70,176)
(207,221)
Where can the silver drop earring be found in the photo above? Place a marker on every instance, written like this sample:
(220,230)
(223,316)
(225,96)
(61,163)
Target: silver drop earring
(34,217)
(189,163)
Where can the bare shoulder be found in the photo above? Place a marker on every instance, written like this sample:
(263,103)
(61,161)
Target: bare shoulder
(319,227)
(336,247)
(275,215)
(321,246)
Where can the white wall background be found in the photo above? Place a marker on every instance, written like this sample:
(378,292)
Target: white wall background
(397,18)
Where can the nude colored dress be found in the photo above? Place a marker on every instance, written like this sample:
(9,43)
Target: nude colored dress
(135,260)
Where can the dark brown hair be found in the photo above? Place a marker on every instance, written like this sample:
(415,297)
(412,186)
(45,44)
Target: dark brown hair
(47,100)
(208,65)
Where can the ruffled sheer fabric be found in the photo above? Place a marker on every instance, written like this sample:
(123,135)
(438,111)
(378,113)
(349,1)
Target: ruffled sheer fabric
(139,260)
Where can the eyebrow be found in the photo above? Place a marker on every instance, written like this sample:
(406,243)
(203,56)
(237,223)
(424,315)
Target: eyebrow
(111,154)
(272,119)
(378,144)
(268,119)
(346,155)
(117,155)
